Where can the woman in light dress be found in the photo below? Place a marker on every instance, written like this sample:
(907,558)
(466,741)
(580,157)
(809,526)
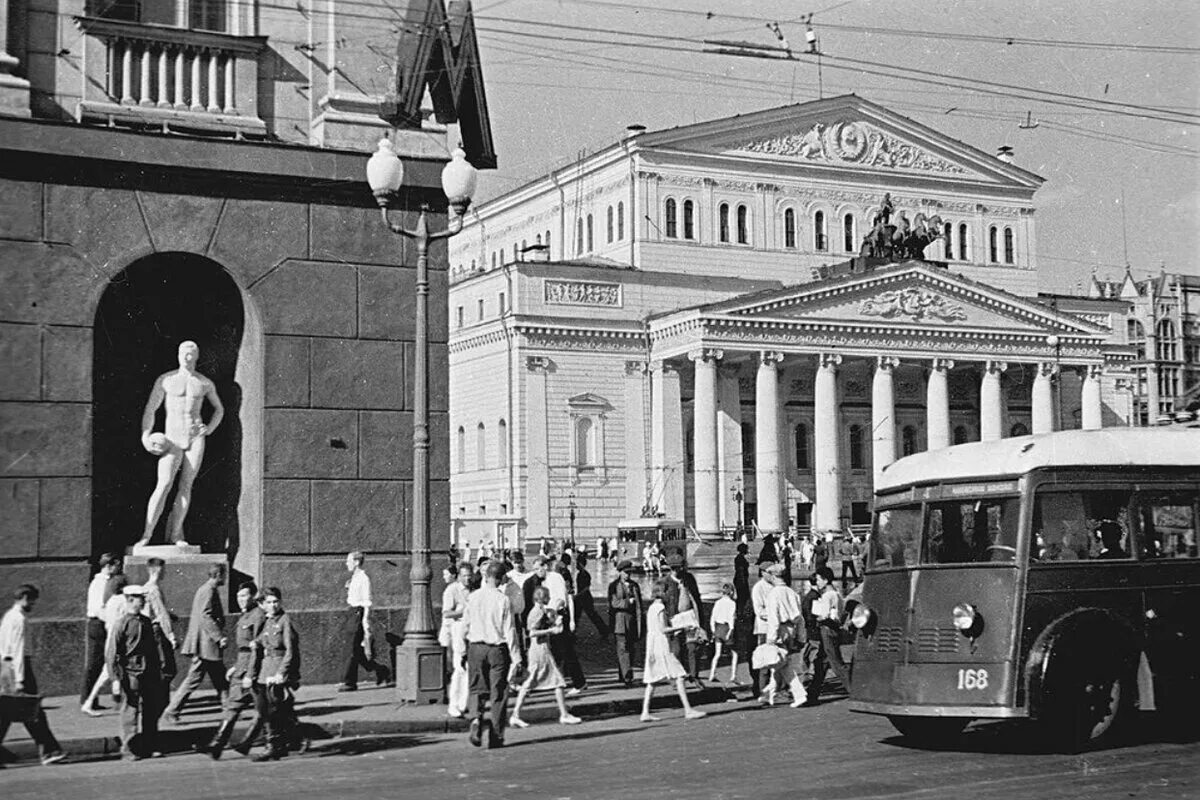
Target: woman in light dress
(723,620)
(661,665)
(543,672)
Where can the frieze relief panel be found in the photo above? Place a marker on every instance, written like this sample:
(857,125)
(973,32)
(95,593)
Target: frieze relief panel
(850,142)
(912,304)
(582,293)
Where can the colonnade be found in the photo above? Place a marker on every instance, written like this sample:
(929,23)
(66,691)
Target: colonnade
(769,465)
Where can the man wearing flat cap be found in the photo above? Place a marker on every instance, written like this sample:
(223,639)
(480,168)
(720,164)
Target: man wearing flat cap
(135,661)
(625,618)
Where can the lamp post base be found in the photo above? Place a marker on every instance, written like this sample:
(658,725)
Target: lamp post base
(420,671)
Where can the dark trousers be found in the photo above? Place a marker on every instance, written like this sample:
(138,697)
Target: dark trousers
(831,643)
(626,655)
(93,661)
(585,604)
(358,654)
(273,703)
(487,666)
(140,697)
(562,649)
(848,565)
(39,726)
(215,670)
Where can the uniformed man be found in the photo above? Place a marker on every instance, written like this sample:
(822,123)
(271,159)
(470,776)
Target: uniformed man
(135,661)
(274,672)
(241,697)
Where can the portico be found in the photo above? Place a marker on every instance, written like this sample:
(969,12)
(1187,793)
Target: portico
(821,362)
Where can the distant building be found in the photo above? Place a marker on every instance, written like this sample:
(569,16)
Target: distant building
(682,324)
(196,170)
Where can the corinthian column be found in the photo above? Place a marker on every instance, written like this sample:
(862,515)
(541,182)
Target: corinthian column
(768,477)
(1092,412)
(826,459)
(937,403)
(991,403)
(1042,400)
(883,414)
(704,431)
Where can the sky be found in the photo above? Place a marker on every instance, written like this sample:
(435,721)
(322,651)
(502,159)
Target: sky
(567,76)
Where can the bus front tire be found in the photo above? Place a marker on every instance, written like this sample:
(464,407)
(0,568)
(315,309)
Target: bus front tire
(929,730)
(1089,707)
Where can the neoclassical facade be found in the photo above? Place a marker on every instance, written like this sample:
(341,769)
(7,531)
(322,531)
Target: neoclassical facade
(682,324)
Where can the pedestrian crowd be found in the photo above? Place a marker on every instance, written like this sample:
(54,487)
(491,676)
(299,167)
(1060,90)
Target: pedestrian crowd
(508,630)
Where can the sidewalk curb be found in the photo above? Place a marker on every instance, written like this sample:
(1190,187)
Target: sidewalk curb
(180,740)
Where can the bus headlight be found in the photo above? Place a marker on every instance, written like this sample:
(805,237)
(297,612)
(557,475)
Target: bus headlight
(966,617)
(861,616)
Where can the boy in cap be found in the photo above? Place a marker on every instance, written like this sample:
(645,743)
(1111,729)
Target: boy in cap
(135,661)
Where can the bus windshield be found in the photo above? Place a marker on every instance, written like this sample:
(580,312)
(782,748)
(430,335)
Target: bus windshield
(960,531)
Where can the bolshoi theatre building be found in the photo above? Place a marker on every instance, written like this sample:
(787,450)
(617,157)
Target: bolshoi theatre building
(745,320)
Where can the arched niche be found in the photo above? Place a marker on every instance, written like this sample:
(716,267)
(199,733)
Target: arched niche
(146,310)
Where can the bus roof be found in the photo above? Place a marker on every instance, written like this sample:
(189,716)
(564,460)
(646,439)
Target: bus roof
(1017,456)
(650,523)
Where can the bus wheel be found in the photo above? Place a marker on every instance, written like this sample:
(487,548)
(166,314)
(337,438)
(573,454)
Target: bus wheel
(1090,707)
(929,730)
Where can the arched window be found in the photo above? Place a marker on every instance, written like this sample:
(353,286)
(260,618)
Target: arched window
(689,219)
(621,220)
(493,259)
(579,237)
(964,240)
(961,434)
(480,447)
(585,446)
(611,228)
(547,244)
(908,440)
(856,447)
(460,450)
(801,444)
(747,445)
(723,222)
(672,223)
(591,231)
(538,240)
(993,250)
(1010,246)
(502,444)
(848,238)
(743,225)
(1018,429)
(948,241)
(1168,349)
(819,240)
(789,228)
(473,267)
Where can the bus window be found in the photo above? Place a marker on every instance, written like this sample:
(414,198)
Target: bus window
(1080,525)
(1168,528)
(968,532)
(897,537)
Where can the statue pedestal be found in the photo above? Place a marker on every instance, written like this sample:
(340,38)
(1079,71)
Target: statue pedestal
(164,551)
(186,568)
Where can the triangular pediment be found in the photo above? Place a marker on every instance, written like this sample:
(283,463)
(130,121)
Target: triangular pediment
(907,295)
(844,133)
(589,402)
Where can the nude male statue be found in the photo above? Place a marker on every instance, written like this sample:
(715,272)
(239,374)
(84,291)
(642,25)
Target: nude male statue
(181,448)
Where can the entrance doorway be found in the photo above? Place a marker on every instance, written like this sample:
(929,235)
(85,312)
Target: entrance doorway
(145,312)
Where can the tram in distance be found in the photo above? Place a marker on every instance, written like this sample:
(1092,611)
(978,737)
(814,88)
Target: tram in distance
(1053,577)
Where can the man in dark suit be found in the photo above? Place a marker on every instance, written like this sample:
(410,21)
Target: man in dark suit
(204,642)
(625,618)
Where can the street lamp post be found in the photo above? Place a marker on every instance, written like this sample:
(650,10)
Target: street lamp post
(419,674)
(571,516)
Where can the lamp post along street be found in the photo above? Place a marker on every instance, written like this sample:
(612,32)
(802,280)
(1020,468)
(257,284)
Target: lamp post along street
(419,674)
(571,516)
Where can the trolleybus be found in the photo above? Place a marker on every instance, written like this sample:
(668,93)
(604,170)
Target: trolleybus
(1052,577)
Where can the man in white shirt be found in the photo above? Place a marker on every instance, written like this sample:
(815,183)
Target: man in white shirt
(492,653)
(454,605)
(785,629)
(758,600)
(358,597)
(16,671)
(827,609)
(97,594)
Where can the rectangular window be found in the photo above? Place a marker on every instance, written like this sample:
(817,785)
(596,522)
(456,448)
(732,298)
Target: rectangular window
(459,316)
(1167,524)
(967,532)
(481,308)
(860,513)
(1080,525)
(804,515)
(896,541)
(502,303)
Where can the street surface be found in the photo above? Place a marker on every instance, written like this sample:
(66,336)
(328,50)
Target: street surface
(740,751)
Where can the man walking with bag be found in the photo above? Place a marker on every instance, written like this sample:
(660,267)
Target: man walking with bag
(16,673)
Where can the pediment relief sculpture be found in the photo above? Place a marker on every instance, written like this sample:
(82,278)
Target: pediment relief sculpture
(911,303)
(852,142)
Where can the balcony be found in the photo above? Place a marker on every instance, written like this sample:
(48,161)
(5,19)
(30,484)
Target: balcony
(171,79)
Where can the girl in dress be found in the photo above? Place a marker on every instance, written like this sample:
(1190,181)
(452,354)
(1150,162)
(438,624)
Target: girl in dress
(543,623)
(661,665)
(724,616)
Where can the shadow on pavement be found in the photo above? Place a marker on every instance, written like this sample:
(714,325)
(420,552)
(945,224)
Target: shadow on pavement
(370,744)
(574,737)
